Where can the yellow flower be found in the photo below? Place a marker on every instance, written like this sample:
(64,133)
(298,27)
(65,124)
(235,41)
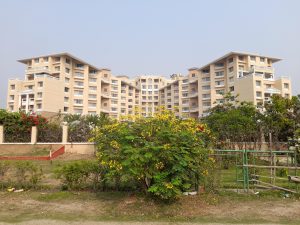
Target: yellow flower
(169,185)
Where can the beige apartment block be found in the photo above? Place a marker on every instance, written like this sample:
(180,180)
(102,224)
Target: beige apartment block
(62,83)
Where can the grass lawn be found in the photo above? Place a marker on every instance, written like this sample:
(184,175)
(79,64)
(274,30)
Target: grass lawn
(224,207)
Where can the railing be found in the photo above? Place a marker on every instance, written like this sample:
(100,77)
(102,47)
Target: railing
(46,76)
(37,69)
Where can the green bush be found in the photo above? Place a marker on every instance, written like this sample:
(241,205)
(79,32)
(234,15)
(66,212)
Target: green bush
(20,174)
(163,154)
(79,174)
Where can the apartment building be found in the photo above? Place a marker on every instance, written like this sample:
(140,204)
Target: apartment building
(63,83)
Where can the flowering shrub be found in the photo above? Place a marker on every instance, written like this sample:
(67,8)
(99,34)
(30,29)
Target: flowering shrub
(165,155)
(17,125)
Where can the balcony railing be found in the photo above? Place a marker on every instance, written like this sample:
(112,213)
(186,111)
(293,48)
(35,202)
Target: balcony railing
(37,69)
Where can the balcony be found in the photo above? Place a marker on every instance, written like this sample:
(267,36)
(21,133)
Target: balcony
(272,91)
(193,80)
(105,95)
(41,69)
(193,94)
(194,109)
(261,69)
(105,80)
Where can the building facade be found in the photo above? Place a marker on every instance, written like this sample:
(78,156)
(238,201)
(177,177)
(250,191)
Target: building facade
(62,83)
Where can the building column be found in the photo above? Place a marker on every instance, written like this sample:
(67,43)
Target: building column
(64,133)
(1,134)
(33,135)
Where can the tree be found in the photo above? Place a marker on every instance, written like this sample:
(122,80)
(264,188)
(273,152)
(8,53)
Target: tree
(234,122)
(165,155)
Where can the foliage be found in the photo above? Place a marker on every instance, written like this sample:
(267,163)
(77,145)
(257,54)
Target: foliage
(79,174)
(235,123)
(17,125)
(279,117)
(243,122)
(23,174)
(165,155)
(50,133)
(80,127)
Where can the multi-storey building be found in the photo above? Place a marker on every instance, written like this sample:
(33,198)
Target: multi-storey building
(63,83)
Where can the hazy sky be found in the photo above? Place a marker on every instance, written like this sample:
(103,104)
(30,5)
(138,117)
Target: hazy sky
(134,37)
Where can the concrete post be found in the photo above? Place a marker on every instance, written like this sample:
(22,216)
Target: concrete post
(64,133)
(33,135)
(1,134)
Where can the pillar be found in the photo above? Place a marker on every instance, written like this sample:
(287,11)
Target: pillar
(64,133)
(1,134)
(33,135)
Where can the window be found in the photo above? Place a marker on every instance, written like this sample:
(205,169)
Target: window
(193,75)
(241,58)
(219,83)
(57,59)
(206,96)
(92,96)
(231,79)
(78,93)
(67,89)
(268,86)
(220,74)
(92,104)
(231,88)
(11,97)
(258,83)
(230,60)
(66,99)
(36,60)
(78,101)
(150,86)
(68,61)
(79,66)
(46,59)
(79,75)
(258,94)
(156,86)
(57,68)
(219,65)
(206,79)
(12,87)
(78,111)
(39,95)
(39,106)
(93,88)
(262,59)
(206,87)
(220,92)
(230,69)
(66,109)
(93,80)
(286,85)
(67,80)
(40,84)
(287,96)
(79,83)
(241,68)
(114,81)
(67,70)
(252,58)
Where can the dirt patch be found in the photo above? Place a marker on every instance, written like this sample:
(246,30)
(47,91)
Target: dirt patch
(50,207)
